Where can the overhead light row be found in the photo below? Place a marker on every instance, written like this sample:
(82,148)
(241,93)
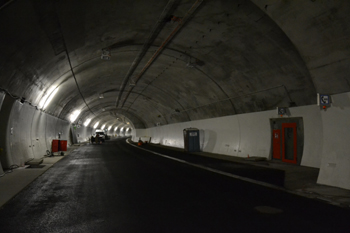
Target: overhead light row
(74,115)
(104,126)
(50,94)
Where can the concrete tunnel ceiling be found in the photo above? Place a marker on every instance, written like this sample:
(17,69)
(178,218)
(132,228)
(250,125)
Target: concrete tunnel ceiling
(229,57)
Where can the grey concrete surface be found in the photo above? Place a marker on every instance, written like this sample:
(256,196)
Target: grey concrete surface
(230,57)
(298,179)
(114,187)
(14,182)
(246,56)
(301,180)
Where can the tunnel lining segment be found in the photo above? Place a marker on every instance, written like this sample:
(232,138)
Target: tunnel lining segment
(152,36)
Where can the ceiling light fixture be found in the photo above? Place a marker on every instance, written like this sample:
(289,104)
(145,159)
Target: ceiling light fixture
(46,99)
(97,123)
(87,122)
(74,115)
(109,128)
(115,129)
(103,126)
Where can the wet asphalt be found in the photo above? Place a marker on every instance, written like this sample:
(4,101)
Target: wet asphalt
(267,175)
(115,187)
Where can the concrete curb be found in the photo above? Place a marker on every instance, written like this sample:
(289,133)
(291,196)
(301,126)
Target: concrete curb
(310,195)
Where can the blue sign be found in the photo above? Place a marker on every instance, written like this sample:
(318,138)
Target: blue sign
(325,100)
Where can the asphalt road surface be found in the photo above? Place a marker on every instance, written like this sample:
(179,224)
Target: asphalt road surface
(115,187)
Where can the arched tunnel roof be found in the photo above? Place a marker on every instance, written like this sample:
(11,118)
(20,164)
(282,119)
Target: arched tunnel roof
(161,62)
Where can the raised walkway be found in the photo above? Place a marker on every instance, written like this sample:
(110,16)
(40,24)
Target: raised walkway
(11,183)
(299,180)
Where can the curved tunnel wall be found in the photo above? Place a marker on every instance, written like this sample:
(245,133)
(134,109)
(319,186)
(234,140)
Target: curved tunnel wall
(82,134)
(326,137)
(246,56)
(335,161)
(27,133)
(2,97)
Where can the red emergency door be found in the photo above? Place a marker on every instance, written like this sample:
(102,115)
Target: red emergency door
(276,141)
(289,142)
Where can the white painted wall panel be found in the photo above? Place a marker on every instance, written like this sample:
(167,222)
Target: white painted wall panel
(63,127)
(255,137)
(313,134)
(216,135)
(32,133)
(83,133)
(46,128)
(20,133)
(244,134)
(38,134)
(221,135)
(27,132)
(335,162)
(50,130)
(139,133)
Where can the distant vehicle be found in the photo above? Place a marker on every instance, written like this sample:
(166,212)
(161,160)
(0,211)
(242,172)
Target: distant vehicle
(98,137)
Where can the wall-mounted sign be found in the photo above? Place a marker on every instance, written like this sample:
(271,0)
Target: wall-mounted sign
(282,111)
(324,100)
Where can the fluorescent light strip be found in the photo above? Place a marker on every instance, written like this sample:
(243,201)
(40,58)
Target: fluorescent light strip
(87,122)
(74,115)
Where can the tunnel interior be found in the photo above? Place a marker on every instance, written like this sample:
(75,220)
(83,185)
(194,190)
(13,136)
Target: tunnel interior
(147,68)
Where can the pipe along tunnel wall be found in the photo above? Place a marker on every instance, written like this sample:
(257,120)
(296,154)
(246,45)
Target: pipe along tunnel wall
(326,137)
